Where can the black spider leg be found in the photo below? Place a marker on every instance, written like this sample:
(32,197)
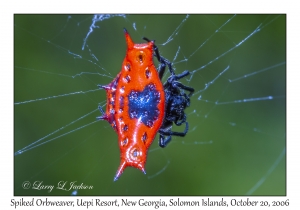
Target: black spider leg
(172,80)
(163,141)
(183,120)
(162,60)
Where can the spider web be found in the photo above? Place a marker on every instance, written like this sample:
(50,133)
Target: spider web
(236,144)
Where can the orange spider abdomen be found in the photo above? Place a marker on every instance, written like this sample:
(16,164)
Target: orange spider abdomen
(135,104)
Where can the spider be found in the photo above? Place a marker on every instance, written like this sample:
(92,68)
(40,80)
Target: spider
(176,100)
(139,105)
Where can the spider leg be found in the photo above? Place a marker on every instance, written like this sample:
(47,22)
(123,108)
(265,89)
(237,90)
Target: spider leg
(183,74)
(162,60)
(161,70)
(163,141)
(183,120)
(178,84)
(174,133)
(155,48)
(146,39)
(167,62)
(163,63)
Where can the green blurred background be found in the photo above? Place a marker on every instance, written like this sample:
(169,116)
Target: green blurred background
(233,148)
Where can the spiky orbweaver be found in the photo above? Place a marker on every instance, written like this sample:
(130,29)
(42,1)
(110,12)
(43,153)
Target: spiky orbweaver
(139,105)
